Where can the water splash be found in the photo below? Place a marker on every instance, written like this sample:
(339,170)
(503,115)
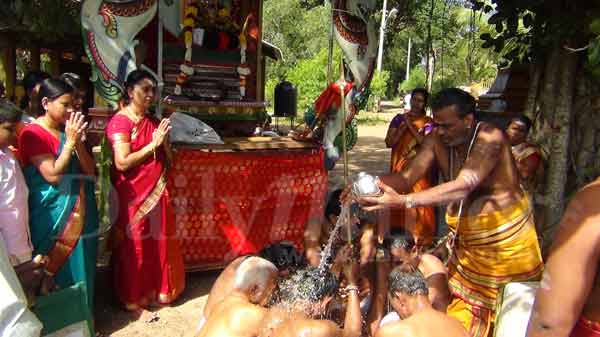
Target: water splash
(342,222)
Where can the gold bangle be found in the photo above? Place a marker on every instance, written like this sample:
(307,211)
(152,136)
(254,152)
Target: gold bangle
(70,146)
(352,288)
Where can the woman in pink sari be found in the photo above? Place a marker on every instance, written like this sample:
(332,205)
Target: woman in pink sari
(147,262)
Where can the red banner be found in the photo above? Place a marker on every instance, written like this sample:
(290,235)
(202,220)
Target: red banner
(232,203)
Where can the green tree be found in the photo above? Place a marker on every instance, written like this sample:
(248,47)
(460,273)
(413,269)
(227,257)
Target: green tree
(559,40)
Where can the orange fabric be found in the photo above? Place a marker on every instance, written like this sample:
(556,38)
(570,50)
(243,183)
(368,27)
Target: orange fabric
(229,204)
(478,321)
(420,222)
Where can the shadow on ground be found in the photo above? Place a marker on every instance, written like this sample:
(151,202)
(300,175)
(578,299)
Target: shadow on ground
(175,320)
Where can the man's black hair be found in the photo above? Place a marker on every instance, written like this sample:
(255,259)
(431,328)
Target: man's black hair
(462,100)
(311,284)
(283,255)
(406,242)
(334,206)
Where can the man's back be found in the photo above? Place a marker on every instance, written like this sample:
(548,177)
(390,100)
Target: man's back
(305,327)
(233,317)
(222,286)
(425,323)
(436,275)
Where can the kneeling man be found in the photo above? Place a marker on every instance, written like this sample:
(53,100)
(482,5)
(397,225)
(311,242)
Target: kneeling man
(240,313)
(408,296)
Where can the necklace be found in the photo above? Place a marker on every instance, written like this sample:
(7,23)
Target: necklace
(42,122)
(132,115)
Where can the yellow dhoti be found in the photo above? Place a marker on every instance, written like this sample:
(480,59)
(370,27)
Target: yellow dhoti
(492,250)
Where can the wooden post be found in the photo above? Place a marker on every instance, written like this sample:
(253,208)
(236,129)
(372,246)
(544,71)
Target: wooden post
(54,62)
(260,94)
(9,60)
(35,58)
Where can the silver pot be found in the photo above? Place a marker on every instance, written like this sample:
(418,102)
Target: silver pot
(366,185)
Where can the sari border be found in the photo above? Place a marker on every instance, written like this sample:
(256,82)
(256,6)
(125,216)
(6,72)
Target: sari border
(151,201)
(68,239)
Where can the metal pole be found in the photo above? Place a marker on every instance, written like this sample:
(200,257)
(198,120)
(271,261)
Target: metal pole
(408,59)
(345,154)
(159,65)
(381,35)
(330,53)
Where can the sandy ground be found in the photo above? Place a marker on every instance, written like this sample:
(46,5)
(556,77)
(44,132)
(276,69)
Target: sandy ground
(182,317)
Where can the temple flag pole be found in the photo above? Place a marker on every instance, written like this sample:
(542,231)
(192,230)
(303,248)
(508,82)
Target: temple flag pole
(330,51)
(345,152)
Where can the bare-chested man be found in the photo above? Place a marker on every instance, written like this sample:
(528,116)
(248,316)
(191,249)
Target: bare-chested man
(496,240)
(242,310)
(307,295)
(568,301)
(404,251)
(282,254)
(408,297)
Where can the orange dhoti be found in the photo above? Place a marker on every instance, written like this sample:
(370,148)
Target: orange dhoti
(419,221)
(492,250)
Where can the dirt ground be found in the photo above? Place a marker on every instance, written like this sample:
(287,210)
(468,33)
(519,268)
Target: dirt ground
(181,318)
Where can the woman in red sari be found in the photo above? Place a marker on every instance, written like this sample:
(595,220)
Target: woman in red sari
(147,262)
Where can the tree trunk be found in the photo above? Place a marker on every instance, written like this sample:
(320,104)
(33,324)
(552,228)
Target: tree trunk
(542,130)
(585,140)
(556,179)
(429,44)
(533,91)
(430,70)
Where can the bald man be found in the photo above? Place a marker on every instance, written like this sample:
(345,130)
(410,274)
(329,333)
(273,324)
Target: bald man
(240,313)
(283,254)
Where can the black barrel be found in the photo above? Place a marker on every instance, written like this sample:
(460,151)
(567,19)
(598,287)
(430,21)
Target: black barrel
(286,100)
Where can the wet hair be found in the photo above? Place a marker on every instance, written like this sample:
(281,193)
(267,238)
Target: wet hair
(462,100)
(334,206)
(407,281)
(30,80)
(73,80)
(53,88)
(254,271)
(310,284)
(283,255)
(523,120)
(9,112)
(423,92)
(406,242)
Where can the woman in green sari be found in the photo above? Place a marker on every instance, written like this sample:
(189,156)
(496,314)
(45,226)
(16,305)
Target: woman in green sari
(60,175)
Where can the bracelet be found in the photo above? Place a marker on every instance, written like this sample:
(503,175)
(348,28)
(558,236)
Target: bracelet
(70,146)
(352,288)
(408,201)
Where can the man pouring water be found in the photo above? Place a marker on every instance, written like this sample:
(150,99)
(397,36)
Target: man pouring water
(492,237)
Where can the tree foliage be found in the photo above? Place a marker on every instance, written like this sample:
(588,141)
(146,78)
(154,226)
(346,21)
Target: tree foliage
(48,19)
(527,30)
